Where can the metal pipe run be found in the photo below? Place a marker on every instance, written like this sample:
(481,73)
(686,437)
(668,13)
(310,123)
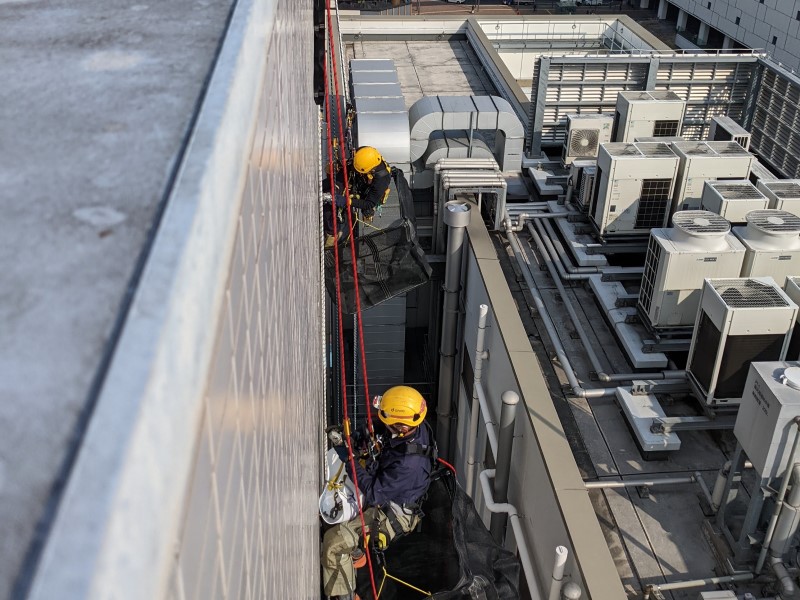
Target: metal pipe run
(508,412)
(779,499)
(594,485)
(516,526)
(487,419)
(557,579)
(786,581)
(552,333)
(472,435)
(456,217)
(719,484)
(682,585)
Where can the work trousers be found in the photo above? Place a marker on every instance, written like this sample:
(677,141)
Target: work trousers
(338,573)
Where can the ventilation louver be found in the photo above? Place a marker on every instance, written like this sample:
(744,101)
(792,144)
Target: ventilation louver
(748,293)
(734,191)
(774,221)
(657,149)
(698,149)
(729,148)
(783,189)
(584,142)
(623,150)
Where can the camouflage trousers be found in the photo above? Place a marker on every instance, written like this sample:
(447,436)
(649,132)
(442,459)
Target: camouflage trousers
(338,573)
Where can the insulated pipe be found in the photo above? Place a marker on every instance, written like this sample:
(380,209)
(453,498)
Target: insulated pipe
(557,579)
(779,500)
(786,580)
(508,412)
(519,535)
(550,234)
(550,327)
(719,484)
(788,519)
(546,248)
(681,585)
(472,435)
(456,217)
(587,343)
(593,485)
(593,358)
(467,181)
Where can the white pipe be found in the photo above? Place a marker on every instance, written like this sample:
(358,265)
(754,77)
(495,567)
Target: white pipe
(594,485)
(472,434)
(519,535)
(557,579)
(786,580)
(779,499)
(490,433)
(681,585)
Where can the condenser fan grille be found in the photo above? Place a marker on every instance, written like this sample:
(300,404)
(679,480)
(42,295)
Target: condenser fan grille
(622,150)
(748,293)
(655,149)
(730,148)
(774,221)
(699,149)
(784,190)
(584,142)
(733,191)
(700,222)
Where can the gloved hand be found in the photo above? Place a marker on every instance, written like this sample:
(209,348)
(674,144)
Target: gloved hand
(341,452)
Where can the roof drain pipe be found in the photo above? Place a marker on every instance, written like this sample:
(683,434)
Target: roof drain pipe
(472,436)
(516,526)
(456,217)
(557,579)
(508,413)
(541,242)
(785,530)
(552,333)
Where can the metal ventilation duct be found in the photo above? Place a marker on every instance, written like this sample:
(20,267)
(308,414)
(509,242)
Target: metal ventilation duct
(444,113)
(381,115)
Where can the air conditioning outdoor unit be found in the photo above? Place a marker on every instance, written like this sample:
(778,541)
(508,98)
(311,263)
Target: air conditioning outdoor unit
(759,172)
(699,245)
(664,139)
(633,188)
(792,289)
(771,240)
(725,129)
(739,321)
(585,133)
(706,161)
(783,194)
(732,199)
(648,114)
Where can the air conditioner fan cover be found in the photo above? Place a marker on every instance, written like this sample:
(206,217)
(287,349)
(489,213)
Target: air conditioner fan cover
(698,149)
(783,189)
(584,142)
(655,149)
(700,223)
(737,191)
(748,293)
(774,222)
(622,150)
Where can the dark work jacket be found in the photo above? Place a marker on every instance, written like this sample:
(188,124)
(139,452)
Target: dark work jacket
(396,476)
(372,191)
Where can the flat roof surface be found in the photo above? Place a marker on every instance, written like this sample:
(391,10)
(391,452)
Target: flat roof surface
(97,99)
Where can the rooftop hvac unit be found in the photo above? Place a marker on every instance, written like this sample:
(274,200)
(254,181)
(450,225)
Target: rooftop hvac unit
(585,133)
(664,139)
(732,199)
(633,188)
(725,129)
(772,244)
(792,289)
(698,245)
(706,161)
(783,194)
(739,321)
(583,178)
(764,426)
(648,114)
(759,172)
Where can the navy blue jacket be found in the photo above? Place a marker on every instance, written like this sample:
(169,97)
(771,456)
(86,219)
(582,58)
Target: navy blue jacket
(396,475)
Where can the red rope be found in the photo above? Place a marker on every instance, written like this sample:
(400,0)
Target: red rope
(362,354)
(350,455)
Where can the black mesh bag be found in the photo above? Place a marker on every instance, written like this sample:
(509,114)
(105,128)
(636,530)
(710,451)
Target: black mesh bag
(452,556)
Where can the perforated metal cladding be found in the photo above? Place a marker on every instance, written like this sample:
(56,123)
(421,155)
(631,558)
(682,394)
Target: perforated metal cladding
(748,293)
(250,527)
(774,129)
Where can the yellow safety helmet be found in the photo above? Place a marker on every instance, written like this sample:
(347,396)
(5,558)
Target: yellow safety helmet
(366,159)
(404,405)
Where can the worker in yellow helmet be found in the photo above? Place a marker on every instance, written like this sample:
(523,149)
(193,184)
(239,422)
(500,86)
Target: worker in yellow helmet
(392,483)
(369,184)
